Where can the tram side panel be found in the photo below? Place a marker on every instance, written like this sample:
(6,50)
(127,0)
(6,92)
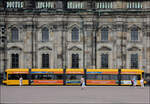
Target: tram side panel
(47,77)
(73,76)
(13,76)
(131,74)
(102,77)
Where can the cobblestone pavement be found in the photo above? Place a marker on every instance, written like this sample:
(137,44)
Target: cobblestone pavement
(74,94)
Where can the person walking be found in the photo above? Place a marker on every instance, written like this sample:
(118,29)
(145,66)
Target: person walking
(134,82)
(20,81)
(82,83)
(142,82)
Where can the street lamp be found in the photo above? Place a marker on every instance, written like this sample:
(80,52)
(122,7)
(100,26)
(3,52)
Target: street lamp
(4,49)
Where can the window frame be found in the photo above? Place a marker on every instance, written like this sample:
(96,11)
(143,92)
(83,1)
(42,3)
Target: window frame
(134,61)
(134,34)
(104,34)
(45,61)
(75,61)
(14,34)
(45,34)
(75,34)
(104,64)
(15,60)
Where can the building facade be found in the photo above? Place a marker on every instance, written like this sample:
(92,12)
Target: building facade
(104,34)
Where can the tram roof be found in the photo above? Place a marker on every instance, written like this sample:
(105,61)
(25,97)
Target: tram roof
(17,70)
(46,70)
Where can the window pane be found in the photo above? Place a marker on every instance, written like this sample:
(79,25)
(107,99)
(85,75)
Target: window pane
(46,77)
(75,61)
(104,60)
(73,77)
(45,60)
(104,34)
(14,32)
(106,77)
(130,77)
(17,76)
(15,60)
(134,60)
(91,77)
(75,34)
(134,34)
(45,34)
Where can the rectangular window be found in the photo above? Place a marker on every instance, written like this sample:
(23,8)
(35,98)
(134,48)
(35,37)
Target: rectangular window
(17,76)
(134,61)
(75,5)
(102,77)
(46,77)
(103,5)
(45,60)
(14,4)
(134,4)
(75,60)
(15,60)
(104,60)
(41,5)
(73,77)
(129,77)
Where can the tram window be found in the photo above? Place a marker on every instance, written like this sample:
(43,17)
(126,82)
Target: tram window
(46,77)
(58,77)
(125,77)
(91,77)
(114,77)
(74,77)
(130,77)
(135,76)
(106,77)
(17,76)
(100,77)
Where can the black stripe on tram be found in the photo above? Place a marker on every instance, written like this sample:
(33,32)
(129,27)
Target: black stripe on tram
(64,77)
(119,77)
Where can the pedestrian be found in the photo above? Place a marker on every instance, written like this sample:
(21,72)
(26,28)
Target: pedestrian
(82,83)
(131,82)
(20,81)
(134,82)
(142,82)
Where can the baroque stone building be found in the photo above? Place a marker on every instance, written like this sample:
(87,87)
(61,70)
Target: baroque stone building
(75,34)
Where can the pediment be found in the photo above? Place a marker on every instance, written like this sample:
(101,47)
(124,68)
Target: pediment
(15,48)
(104,49)
(45,48)
(74,48)
(134,49)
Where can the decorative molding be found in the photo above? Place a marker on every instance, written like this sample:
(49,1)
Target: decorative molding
(45,48)
(75,48)
(134,49)
(15,48)
(104,49)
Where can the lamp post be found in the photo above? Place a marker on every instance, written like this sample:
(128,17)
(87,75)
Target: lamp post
(4,49)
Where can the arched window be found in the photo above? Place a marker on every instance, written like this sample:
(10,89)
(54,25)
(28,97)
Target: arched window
(14,60)
(45,34)
(134,34)
(104,60)
(104,34)
(14,34)
(45,60)
(75,34)
(75,60)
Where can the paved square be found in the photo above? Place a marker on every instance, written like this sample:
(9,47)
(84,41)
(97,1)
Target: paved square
(74,94)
